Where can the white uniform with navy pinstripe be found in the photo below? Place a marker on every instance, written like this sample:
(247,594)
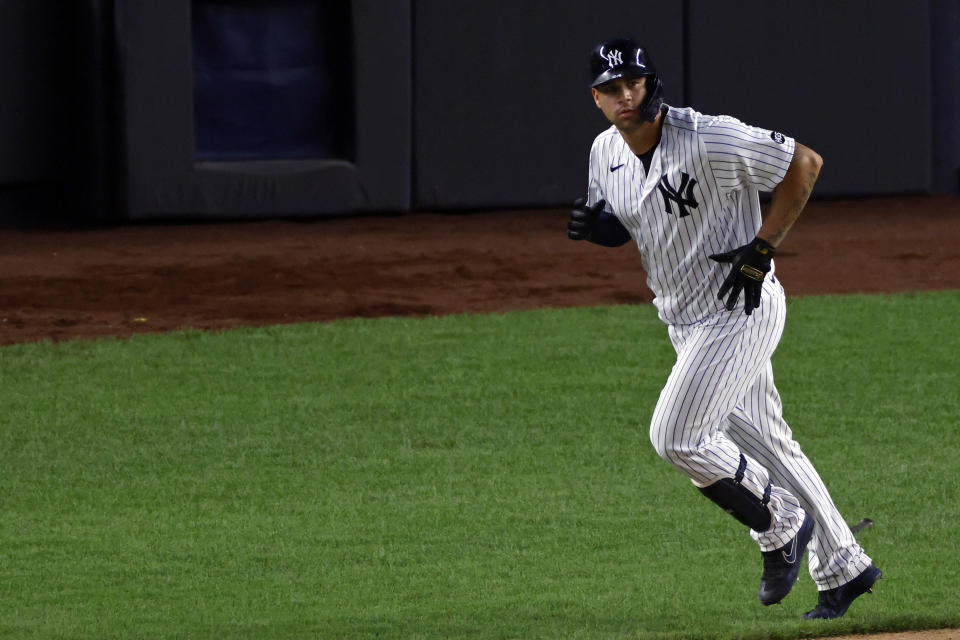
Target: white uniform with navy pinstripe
(700,197)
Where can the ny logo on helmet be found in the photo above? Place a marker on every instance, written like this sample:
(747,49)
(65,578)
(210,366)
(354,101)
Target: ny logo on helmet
(613,58)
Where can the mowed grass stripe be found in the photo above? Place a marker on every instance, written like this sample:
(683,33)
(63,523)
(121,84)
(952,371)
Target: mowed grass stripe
(465,476)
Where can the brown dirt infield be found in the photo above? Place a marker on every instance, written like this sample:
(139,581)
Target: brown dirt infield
(117,281)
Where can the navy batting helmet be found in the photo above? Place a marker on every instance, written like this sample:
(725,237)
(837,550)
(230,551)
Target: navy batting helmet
(625,58)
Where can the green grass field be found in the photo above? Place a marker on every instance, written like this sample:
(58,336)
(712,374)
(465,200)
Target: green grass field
(458,477)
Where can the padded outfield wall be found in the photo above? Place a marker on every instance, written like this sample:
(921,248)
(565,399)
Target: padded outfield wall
(246,108)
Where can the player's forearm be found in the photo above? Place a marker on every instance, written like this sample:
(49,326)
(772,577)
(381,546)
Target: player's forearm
(791,195)
(609,231)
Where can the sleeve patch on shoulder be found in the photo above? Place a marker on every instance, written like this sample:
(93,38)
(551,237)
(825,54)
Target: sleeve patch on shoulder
(777,137)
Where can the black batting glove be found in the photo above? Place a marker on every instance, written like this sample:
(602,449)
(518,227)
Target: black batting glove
(583,219)
(751,263)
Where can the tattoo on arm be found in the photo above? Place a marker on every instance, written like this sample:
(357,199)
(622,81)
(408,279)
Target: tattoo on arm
(793,211)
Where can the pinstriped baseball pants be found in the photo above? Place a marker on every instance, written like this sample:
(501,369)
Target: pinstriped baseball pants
(720,402)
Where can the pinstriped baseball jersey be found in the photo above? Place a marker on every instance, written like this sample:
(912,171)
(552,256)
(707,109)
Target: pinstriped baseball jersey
(700,197)
(718,419)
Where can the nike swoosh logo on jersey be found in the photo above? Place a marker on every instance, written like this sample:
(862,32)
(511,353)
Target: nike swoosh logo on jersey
(612,169)
(791,557)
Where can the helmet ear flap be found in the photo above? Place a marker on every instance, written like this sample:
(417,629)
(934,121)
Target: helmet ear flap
(651,104)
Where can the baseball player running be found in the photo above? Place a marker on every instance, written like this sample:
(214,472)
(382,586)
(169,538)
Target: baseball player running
(684,186)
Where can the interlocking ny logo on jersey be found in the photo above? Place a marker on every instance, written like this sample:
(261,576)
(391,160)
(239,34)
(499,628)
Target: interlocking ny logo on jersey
(682,196)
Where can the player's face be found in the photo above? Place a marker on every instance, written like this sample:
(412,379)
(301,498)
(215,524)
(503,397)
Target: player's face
(620,100)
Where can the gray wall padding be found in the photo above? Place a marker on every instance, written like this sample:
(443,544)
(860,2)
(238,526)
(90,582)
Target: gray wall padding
(502,107)
(163,180)
(945,87)
(474,104)
(36,103)
(849,79)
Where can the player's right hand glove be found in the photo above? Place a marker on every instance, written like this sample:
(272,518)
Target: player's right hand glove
(583,219)
(751,263)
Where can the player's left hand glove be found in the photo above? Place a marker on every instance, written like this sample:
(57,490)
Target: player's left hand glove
(583,219)
(751,263)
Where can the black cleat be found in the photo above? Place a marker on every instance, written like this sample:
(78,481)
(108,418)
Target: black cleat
(833,603)
(782,566)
